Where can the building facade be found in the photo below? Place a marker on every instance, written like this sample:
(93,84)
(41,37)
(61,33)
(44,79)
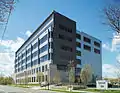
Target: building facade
(88,51)
(52,46)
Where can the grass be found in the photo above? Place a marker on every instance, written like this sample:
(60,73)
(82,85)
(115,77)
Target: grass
(64,89)
(102,91)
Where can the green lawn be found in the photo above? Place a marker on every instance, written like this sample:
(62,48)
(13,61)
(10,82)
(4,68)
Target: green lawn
(64,89)
(102,91)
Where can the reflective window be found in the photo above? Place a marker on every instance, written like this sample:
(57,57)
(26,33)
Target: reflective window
(78,36)
(35,54)
(62,27)
(42,40)
(35,45)
(44,48)
(66,48)
(96,51)
(86,47)
(35,62)
(87,40)
(96,44)
(28,58)
(29,50)
(78,44)
(44,58)
(42,68)
(78,53)
(63,37)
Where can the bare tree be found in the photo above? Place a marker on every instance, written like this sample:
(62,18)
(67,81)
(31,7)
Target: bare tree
(86,74)
(112,16)
(6,6)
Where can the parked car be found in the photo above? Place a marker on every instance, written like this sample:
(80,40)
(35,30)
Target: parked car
(43,84)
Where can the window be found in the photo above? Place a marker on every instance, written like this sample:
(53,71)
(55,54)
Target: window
(65,28)
(65,38)
(43,78)
(44,48)
(29,50)
(86,47)
(35,62)
(78,36)
(24,54)
(78,61)
(23,61)
(42,68)
(46,77)
(46,67)
(21,56)
(28,58)
(78,53)
(78,44)
(44,58)
(32,79)
(87,40)
(96,44)
(66,48)
(42,40)
(35,54)
(28,65)
(35,45)
(96,51)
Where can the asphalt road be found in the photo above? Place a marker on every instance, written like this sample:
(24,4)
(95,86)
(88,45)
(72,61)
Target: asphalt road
(10,89)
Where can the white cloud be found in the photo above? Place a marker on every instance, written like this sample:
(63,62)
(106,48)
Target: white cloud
(12,45)
(7,57)
(106,46)
(28,33)
(115,44)
(109,70)
(6,63)
(118,58)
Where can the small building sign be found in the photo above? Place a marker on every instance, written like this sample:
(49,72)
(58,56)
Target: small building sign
(102,84)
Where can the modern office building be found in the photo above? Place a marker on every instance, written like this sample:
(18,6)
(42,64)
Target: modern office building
(52,46)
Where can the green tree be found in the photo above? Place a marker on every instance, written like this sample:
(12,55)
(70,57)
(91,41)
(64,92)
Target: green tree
(71,75)
(56,78)
(6,80)
(86,74)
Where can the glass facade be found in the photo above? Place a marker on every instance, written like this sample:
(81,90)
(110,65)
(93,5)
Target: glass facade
(30,57)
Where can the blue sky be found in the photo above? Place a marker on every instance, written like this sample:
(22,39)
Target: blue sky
(88,14)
